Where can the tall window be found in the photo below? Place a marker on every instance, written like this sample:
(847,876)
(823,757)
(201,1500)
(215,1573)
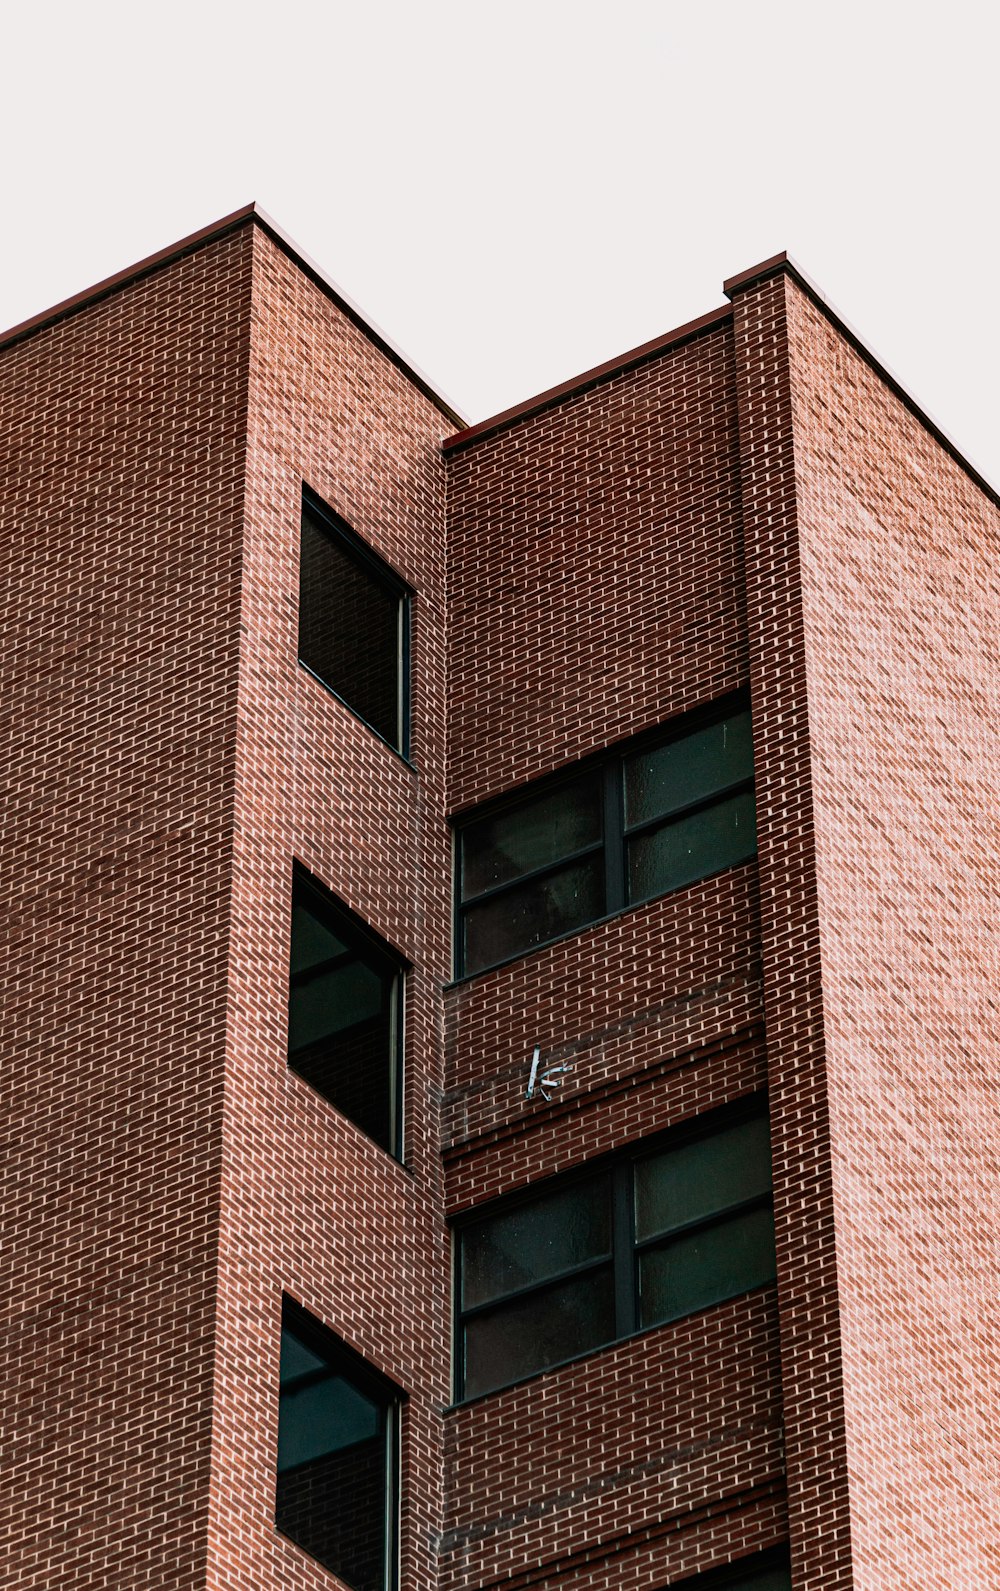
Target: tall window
(354,622)
(345,1013)
(337,1459)
(634,824)
(652,1235)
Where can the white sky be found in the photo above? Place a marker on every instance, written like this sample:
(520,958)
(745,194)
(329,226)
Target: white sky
(517,191)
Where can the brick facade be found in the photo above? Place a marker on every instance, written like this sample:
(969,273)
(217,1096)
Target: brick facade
(749,504)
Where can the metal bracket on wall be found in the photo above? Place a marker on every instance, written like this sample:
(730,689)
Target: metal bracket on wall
(540,1082)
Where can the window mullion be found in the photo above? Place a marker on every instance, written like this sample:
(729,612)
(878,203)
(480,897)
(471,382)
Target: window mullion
(614,847)
(623,1239)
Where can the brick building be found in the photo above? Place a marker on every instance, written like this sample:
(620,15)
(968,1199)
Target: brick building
(411,1222)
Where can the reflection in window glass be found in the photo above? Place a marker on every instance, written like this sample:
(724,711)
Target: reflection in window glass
(706,1266)
(694,1179)
(688,769)
(498,849)
(352,623)
(336,1425)
(632,825)
(529,914)
(691,847)
(594,1257)
(536,1241)
(344,1016)
(514,1340)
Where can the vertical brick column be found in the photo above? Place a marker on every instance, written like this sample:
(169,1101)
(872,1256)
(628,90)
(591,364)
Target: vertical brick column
(818,1507)
(122,427)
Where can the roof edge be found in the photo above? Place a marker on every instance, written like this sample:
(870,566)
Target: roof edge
(783,264)
(250,214)
(589,378)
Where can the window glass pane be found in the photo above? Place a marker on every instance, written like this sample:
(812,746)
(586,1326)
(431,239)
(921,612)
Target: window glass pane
(691,847)
(343,1015)
(312,941)
(350,628)
(296,1359)
(328,1002)
(535,1241)
(698,1178)
(529,914)
(333,1473)
(688,769)
(706,1266)
(501,848)
(531,1333)
(321,1417)
(776,1579)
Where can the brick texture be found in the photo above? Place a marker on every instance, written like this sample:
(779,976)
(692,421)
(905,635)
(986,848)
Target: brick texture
(124,456)
(902,647)
(748,505)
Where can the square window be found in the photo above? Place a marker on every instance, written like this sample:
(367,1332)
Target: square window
(345,1013)
(337,1464)
(354,623)
(632,824)
(595,1256)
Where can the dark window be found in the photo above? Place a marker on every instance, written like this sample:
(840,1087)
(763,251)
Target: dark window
(765,1571)
(652,1235)
(353,622)
(345,1013)
(337,1437)
(633,825)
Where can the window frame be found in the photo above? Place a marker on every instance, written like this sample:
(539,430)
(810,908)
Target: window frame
(617,834)
(342,535)
(619,1168)
(730,1576)
(376,952)
(378,1388)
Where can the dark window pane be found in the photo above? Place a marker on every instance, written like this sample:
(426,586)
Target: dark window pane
(688,769)
(343,1018)
(706,1266)
(691,847)
(350,628)
(532,834)
(696,1179)
(535,1241)
(529,914)
(333,1453)
(313,941)
(553,1324)
(764,1580)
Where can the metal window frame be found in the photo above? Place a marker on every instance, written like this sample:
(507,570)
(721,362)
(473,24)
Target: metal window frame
(619,1167)
(616,834)
(342,535)
(388,963)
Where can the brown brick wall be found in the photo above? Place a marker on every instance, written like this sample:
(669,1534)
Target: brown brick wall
(818,1504)
(747,507)
(121,497)
(596,590)
(595,575)
(310,1206)
(901,604)
(615,1447)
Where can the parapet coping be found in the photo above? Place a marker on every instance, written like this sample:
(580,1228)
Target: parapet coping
(590,378)
(250,214)
(741,283)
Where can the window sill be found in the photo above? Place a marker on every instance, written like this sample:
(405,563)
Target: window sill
(403,757)
(615,1342)
(595,922)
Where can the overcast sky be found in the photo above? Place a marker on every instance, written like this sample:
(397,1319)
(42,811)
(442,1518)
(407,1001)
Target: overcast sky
(517,191)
